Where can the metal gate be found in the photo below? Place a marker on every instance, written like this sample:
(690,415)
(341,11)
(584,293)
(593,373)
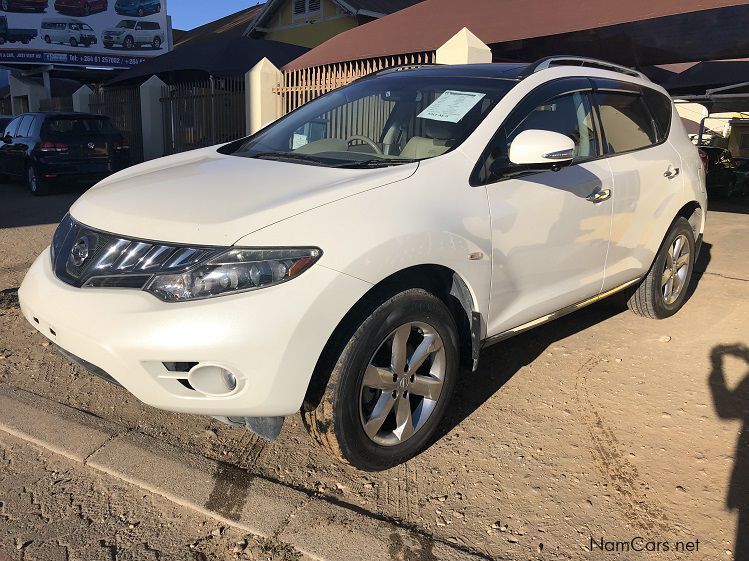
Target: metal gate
(297,87)
(203,113)
(56,104)
(122,106)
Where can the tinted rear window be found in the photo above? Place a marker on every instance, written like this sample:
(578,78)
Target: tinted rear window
(78,126)
(660,107)
(627,124)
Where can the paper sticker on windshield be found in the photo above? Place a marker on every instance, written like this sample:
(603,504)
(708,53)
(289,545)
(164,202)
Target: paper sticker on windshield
(451,106)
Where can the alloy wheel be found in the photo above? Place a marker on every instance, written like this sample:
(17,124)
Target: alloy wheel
(33,183)
(402,384)
(674,275)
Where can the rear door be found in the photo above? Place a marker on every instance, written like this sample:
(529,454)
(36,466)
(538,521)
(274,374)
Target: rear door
(647,179)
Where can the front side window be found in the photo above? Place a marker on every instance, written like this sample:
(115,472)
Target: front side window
(570,115)
(385,120)
(627,124)
(126,24)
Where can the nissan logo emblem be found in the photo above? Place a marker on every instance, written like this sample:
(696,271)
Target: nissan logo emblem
(79,253)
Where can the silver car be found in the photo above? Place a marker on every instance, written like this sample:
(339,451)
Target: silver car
(130,34)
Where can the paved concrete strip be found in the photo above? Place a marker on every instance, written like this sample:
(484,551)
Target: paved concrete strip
(317,528)
(330,532)
(53,426)
(234,496)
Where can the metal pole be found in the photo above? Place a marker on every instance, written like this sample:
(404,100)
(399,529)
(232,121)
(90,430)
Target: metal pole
(213,109)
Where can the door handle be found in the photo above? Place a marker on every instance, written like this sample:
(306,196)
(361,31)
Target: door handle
(671,172)
(599,196)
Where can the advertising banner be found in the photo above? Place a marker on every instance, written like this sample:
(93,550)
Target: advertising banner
(103,33)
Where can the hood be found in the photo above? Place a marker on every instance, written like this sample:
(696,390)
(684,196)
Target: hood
(206,198)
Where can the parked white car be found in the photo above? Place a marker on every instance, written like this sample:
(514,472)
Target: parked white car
(348,259)
(130,34)
(67,31)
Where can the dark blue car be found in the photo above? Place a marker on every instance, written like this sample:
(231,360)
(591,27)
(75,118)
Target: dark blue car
(137,8)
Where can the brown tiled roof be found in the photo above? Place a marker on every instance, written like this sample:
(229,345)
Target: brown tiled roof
(231,25)
(427,25)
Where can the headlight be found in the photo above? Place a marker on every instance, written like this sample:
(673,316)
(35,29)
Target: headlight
(235,270)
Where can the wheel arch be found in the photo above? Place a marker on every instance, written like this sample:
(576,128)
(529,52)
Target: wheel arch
(441,281)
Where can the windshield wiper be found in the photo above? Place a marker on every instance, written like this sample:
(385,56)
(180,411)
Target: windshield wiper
(376,163)
(286,157)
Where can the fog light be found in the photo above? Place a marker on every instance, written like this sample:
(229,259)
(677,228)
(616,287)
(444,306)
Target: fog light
(212,380)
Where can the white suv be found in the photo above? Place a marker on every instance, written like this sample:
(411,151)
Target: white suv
(346,260)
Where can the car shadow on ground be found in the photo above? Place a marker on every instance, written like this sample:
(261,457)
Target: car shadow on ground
(500,362)
(733,404)
(736,205)
(29,210)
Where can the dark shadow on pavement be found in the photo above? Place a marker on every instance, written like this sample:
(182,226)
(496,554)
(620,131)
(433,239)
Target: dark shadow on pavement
(737,205)
(231,487)
(700,267)
(734,405)
(502,361)
(18,207)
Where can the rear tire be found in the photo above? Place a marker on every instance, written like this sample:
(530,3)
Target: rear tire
(5,5)
(129,42)
(47,39)
(376,411)
(156,43)
(73,42)
(37,187)
(663,291)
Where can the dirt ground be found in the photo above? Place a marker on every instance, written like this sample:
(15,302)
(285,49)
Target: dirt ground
(598,427)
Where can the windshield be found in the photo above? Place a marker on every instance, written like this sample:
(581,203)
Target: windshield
(126,24)
(385,120)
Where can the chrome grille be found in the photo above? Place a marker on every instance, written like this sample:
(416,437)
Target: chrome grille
(83,256)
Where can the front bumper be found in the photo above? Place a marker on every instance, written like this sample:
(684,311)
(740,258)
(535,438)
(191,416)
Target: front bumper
(270,338)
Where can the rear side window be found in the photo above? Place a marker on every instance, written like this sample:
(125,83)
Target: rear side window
(627,123)
(78,126)
(660,108)
(25,126)
(12,127)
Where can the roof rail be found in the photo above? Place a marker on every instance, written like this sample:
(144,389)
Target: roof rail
(404,66)
(572,60)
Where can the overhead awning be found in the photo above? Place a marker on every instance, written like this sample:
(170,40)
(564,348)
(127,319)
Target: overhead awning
(221,57)
(635,32)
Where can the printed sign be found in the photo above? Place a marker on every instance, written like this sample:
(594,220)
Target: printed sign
(451,106)
(107,33)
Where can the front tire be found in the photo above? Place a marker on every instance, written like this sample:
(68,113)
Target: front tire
(156,43)
(663,291)
(129,42)
(391,384)
(73,42)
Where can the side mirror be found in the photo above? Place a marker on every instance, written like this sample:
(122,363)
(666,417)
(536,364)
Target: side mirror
(7,139)
(542,148)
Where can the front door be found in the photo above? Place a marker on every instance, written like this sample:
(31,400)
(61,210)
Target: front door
(550,229)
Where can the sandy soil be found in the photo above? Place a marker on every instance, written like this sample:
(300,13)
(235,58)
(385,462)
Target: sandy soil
(600,425)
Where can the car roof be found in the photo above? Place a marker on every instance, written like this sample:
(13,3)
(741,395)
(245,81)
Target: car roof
(512,71)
